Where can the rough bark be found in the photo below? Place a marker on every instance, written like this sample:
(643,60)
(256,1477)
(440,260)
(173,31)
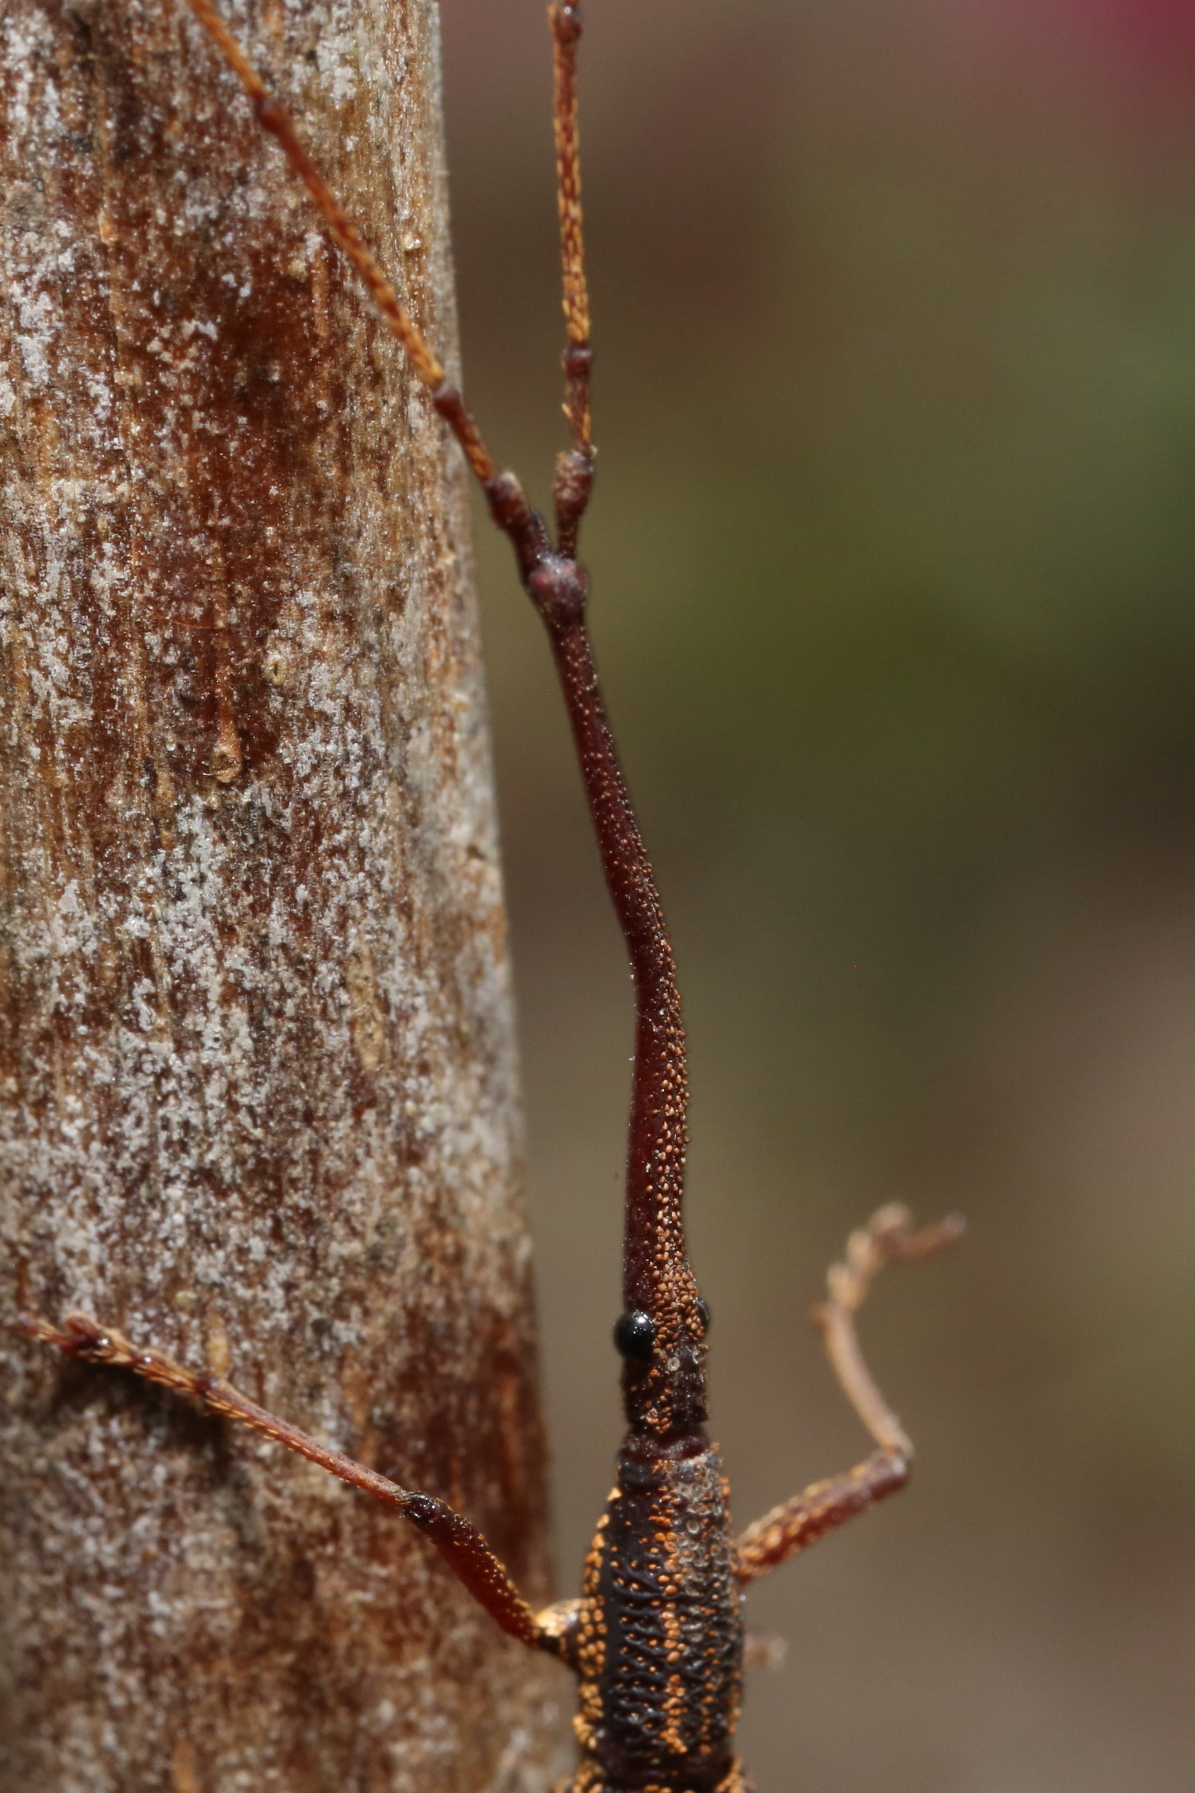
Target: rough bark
(258,1100)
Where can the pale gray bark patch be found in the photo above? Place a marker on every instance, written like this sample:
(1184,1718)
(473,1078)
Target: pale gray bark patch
(259,1099)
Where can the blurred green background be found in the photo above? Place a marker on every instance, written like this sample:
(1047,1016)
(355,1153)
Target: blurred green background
(894,565)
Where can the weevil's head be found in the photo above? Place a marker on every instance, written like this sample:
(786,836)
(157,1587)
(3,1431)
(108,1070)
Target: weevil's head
(661,1336)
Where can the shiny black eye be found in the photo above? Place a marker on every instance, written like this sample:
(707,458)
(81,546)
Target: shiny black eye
(703,1309)
(635,1334)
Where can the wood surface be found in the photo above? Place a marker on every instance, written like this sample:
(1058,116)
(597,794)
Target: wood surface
(258,1098)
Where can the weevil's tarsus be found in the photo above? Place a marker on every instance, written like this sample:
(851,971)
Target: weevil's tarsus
(81,1337)
(886,1239)
(460,1544)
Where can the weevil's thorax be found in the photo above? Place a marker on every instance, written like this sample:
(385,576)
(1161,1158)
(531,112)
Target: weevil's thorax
(660,1640)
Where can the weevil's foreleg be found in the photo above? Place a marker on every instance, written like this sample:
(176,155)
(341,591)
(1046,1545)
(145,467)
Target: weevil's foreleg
(459,1543)
(886,1239)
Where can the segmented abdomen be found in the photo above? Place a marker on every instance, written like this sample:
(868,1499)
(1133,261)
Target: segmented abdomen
(660,1641)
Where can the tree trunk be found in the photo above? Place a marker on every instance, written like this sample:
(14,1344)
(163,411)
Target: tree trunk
(259,1100)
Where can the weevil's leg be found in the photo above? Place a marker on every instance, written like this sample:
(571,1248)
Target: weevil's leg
(574,470)
(459,1543)
(810,1515)
(886,1239)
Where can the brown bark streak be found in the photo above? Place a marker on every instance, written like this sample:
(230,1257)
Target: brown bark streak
(256,1061)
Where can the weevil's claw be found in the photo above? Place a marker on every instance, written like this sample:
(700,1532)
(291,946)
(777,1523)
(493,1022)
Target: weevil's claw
(889,1229)
(886,1239)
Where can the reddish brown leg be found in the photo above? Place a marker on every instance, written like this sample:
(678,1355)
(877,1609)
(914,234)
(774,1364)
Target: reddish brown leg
(822,1506)
(459,1543)
(886,1239)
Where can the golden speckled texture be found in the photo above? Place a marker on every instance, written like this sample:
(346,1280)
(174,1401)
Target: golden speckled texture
(660,1639)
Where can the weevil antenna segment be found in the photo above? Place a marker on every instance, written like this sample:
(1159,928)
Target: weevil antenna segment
(574,470)
(424,364)
(565,20)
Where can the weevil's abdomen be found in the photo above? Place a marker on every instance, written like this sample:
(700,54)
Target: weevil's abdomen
(660,1635)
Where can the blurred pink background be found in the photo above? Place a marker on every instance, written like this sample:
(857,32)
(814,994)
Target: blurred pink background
(894,568)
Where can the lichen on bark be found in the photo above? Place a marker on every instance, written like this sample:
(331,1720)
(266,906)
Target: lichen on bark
(256,1068)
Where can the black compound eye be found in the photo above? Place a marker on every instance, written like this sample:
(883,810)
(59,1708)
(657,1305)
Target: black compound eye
(703,1309)
(635,1334)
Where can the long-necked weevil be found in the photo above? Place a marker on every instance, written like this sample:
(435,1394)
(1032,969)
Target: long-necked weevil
(656,1637)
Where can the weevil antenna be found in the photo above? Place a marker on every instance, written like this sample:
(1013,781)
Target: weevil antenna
(574,470)
(663,1330)
(424,364)
(663,1382)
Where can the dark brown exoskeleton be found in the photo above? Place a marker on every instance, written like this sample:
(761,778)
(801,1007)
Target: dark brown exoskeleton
(656,1638)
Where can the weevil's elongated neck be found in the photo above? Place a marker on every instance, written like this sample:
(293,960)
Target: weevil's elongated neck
(656,1145)
(664,1391)
(662,1384)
